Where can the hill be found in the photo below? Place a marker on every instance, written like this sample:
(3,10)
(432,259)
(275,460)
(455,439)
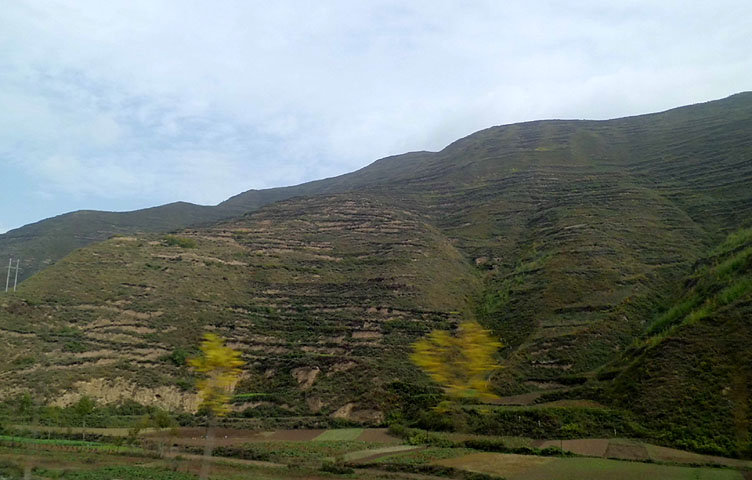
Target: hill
(690,376)
(564,237)
(700,144)
(323,295)
(43,243)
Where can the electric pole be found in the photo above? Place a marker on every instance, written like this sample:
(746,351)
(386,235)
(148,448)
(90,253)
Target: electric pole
(7,279)
(15,282)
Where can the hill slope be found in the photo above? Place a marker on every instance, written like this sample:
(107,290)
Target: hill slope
(41,244)
(700,146)
(690,376)
(307,289)
(562,236)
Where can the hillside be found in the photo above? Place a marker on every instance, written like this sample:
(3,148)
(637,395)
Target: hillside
(700,147)
(43,243)
(565,237)
(322,295)
(690,376)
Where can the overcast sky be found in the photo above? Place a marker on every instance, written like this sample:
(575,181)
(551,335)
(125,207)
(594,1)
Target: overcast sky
(118,105)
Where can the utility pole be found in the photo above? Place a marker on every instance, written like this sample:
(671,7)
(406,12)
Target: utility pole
(15,282)
(7,279)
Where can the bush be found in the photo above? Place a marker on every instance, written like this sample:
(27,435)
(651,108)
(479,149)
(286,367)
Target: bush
(246,452)
(182,242)
(178,357)
(336,468)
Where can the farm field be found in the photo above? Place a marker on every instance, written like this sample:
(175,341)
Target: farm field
(519,467)
(352,453)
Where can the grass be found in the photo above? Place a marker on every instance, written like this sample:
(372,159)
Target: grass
(76,444)
(687,376)
(342,434)
(424,457)
(361,454)
(514,467)
(124,473)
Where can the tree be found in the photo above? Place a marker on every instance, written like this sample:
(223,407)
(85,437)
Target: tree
(462,363)
(83,409)
(221,366)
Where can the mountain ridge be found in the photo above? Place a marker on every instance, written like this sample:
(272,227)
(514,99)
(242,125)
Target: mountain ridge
(36,249)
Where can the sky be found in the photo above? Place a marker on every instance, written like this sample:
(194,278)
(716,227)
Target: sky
(126,104)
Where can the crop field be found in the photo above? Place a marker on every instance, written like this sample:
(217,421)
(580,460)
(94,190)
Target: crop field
(352,453)
(519,467)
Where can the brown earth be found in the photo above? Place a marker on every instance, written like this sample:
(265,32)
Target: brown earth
(627,451)
(378,435)
(591,447)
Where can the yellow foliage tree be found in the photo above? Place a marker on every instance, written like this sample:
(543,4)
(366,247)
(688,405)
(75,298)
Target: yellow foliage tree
(461,363)
(221,366)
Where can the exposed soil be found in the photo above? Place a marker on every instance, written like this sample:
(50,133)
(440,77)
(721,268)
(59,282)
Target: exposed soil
(592,447)
(295,435)
(378,435)
(224,437)
(627,451)
(487,462)
(523,399)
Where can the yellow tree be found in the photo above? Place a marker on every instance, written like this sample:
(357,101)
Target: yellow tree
(462,363)
(221,366)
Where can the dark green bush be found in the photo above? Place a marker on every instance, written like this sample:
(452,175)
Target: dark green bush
(336,468)
(182,242)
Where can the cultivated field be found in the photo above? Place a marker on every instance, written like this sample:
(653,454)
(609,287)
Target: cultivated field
(354,453)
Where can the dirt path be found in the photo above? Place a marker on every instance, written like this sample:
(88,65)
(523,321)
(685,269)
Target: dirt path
(367,456)
(226,460)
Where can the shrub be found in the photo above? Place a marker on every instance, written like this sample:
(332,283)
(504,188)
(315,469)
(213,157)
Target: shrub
(182,242)
(336,468)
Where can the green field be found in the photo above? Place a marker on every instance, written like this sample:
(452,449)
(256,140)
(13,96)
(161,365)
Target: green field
(317,454)
(516,467)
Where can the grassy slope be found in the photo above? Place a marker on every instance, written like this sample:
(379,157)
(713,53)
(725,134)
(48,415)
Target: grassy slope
(41,244)
(304,285)
(690,376)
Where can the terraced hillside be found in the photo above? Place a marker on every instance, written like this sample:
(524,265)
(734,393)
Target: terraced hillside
(562,236)
(323,296)
(696,157)
(690,376)
(41,244)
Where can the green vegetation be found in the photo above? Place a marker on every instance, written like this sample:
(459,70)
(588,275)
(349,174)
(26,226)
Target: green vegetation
(688,378)
(436,455)
(182,242)
(126,473)
(318,320)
